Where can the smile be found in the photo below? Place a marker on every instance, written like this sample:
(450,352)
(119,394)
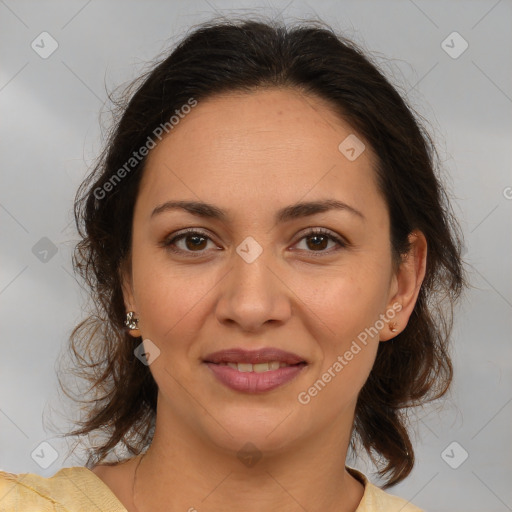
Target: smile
(258,367)
(255,378)
(254,371)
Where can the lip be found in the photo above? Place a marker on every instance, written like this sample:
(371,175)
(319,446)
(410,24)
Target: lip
(254,382)
(240,355)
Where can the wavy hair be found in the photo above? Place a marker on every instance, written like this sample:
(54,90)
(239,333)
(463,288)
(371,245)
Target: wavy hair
(246,55)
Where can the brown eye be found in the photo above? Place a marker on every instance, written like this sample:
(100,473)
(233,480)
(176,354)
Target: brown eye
(193,242)
(320,241)
(189,242)
(317,242)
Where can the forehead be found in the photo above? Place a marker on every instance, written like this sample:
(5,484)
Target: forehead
(268,145)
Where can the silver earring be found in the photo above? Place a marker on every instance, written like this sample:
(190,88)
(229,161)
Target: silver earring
(131,322)
(393,327)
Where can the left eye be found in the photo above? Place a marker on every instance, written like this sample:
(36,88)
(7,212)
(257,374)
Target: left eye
(319,240)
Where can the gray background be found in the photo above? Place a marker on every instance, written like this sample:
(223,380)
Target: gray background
(50,133)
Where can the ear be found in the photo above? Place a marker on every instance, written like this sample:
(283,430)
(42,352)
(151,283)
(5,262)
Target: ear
(125,275)
(406,285)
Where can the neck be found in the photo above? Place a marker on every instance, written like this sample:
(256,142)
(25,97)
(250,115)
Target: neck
(179,472)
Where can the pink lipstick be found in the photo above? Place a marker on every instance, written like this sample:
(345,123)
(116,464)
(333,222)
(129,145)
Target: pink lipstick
(254,371)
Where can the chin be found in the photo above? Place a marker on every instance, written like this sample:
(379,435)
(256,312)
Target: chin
(267,433)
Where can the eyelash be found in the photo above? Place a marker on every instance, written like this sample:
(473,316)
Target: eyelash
(169,243)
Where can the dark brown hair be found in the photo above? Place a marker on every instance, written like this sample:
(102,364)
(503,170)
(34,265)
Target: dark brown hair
(245,55)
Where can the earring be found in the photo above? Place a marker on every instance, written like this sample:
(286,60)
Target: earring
(393,327)
(131,322)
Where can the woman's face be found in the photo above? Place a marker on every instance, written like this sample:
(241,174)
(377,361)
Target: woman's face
(253,276)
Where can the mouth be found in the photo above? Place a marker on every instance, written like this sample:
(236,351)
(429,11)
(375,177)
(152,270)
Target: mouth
(258,367)
(260,360)
(254,370)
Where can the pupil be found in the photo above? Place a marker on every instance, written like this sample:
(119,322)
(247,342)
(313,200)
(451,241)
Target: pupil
(321,245)
(197,242)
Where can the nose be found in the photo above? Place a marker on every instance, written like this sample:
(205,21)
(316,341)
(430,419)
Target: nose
(252,296)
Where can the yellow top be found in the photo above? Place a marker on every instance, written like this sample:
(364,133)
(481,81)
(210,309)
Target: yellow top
(78,489)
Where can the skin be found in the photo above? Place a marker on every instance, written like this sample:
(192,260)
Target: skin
(252,154)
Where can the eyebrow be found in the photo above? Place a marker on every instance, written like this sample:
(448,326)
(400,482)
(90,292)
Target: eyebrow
(294,211)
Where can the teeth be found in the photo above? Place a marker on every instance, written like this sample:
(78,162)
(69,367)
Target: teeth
(258,367)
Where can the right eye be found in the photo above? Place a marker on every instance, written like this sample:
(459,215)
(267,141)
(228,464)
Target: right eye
(189,241)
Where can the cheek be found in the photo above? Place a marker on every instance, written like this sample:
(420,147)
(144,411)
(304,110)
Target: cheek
(168,299)
(346,312)
(345,303)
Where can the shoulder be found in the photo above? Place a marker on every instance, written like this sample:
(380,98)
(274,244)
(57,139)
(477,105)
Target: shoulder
(73,489)
(376,500)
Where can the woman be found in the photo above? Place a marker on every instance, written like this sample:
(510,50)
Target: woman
(274,264)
